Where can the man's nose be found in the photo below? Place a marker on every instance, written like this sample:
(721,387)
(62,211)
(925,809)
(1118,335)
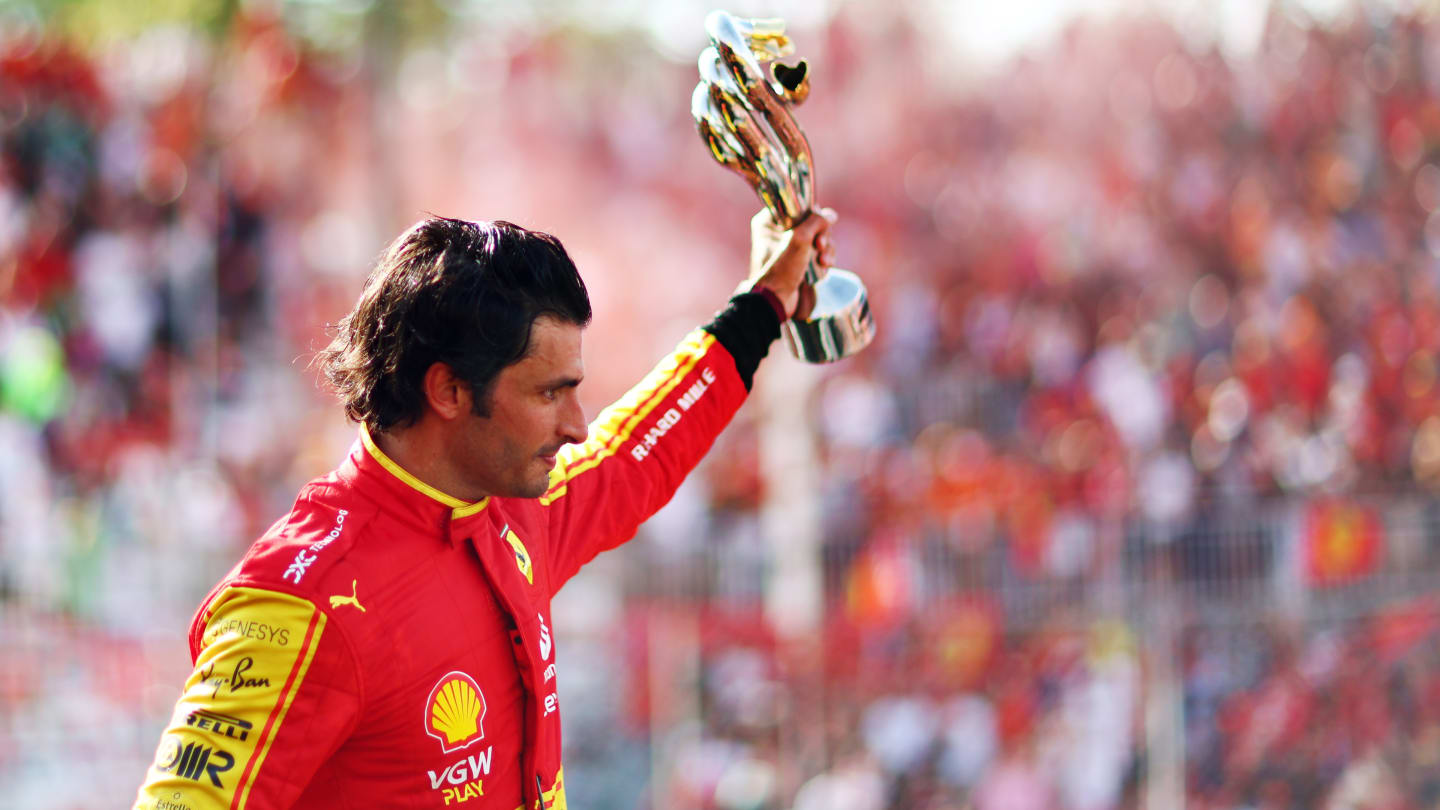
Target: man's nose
(572,423)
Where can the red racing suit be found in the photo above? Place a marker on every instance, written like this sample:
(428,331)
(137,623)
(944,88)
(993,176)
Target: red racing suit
(387,645)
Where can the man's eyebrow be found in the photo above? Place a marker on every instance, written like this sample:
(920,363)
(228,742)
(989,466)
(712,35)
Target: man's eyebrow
(561,382)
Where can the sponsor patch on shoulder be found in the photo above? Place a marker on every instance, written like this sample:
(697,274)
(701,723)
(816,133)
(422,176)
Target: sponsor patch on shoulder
(307,556)
(256,650)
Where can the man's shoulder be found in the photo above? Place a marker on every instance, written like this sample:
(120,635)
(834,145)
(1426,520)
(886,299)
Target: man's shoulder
(295,559)
(327,522)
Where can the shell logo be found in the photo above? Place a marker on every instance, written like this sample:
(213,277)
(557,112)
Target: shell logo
(455,711)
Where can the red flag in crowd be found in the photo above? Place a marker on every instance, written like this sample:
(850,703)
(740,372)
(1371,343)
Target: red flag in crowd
(1397,631)
(963,639)
(1343,542)
(880,586)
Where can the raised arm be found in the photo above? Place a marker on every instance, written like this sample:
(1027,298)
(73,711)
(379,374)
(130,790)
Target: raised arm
(641,448)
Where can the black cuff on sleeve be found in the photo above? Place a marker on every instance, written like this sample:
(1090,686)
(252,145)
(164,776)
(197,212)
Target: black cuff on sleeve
(746,328)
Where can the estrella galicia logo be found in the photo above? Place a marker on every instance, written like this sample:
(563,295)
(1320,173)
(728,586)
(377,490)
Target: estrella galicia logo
(222,724)
(192,760)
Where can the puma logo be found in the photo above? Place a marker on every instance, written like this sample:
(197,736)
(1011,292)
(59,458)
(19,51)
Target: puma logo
(352,599)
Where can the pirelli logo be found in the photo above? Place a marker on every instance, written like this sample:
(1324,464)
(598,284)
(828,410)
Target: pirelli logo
(221,724)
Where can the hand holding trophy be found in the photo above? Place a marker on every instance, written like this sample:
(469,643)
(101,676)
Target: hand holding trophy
(745,120)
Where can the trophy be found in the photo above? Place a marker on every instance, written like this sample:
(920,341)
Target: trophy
(744,118)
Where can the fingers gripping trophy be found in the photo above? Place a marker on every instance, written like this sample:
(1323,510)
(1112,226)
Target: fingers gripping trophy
(744,117)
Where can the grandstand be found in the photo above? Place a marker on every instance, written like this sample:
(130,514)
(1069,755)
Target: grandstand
(1130,505)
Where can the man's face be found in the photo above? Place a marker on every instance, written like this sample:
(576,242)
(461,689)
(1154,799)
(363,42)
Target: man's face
(534,411)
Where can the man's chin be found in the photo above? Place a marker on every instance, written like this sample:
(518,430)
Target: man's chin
(531,487)
(537,485)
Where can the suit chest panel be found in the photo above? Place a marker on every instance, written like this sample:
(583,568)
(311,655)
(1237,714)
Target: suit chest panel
(444,698)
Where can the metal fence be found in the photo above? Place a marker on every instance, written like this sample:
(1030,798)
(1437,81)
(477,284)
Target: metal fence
(1175,643)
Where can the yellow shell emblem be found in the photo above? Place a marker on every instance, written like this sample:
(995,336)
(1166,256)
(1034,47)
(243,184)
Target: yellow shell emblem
(455,711)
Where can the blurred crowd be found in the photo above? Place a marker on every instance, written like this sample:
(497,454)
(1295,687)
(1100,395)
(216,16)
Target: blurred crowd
(1134,296)
(149,325)
(1152,318)
(149,398)
(1130,281)
(1276,715)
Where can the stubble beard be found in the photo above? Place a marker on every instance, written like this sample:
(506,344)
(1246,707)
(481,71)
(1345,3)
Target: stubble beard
(537,487)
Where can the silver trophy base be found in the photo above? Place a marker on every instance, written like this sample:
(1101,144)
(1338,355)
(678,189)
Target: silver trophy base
(840,324)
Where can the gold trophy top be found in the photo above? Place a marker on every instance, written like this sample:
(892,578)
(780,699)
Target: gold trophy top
(765,35)
(743,113)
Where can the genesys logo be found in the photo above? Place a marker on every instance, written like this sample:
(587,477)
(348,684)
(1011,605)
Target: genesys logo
(220,724)
(455,712)
(463,780)
(260,631)
(192,760)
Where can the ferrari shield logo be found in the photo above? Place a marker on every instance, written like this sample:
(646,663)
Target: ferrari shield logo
(522,556)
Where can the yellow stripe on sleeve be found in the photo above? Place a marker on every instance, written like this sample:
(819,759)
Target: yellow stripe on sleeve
(627,413)
(287,697)
(255,652)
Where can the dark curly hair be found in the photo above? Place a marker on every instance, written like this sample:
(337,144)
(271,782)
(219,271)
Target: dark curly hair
(449,291)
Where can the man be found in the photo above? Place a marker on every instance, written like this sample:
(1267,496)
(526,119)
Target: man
(388,643)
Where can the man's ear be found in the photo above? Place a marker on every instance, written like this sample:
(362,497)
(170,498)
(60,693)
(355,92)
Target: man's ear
(446,394)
